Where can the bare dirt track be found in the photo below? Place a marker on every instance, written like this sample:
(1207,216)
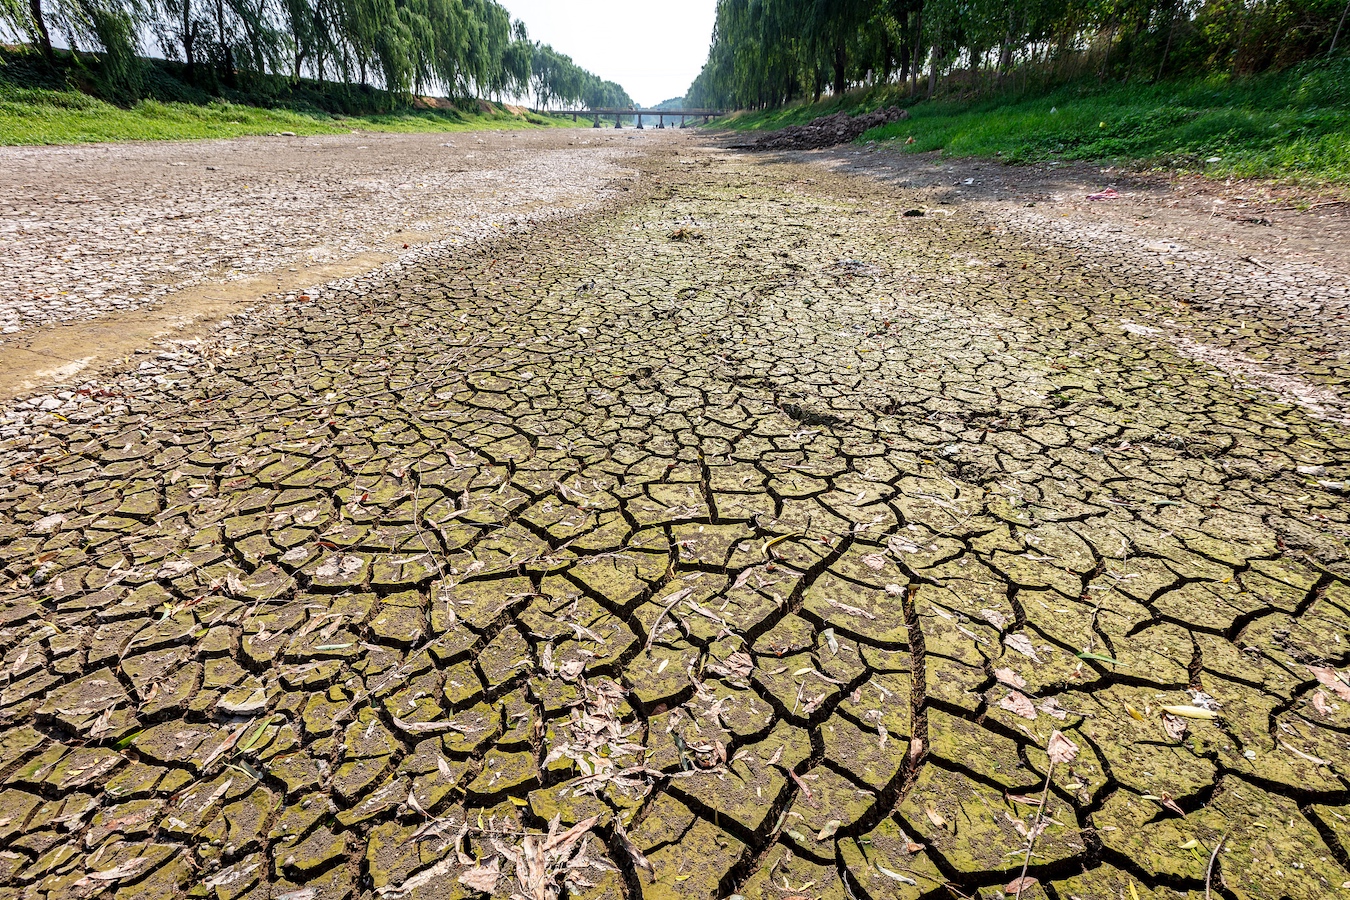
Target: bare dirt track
(742,536)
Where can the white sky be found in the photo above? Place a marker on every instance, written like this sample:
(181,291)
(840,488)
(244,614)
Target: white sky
(654,48)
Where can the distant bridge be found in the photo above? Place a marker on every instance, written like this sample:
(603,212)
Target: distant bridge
(618,115)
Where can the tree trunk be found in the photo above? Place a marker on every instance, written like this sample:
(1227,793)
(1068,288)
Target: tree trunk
(1242,37)
(1005,51)
(189,43)
(818,87)
(226,56)
(932,73)
(840,63)
(45,39)
(1339,25)
(1171,30)
(1106,59)
(915,62)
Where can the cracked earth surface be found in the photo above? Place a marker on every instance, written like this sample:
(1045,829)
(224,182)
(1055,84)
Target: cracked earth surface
(762,532)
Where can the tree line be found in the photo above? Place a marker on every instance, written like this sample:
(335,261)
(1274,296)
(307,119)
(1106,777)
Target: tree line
(767,52)
(466,48)
(558,80)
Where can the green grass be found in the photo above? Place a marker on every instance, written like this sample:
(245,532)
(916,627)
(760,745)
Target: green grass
(40,104)
(1294,125)
(69,117)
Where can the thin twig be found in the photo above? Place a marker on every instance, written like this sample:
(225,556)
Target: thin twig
(1035,829)
(1209,870)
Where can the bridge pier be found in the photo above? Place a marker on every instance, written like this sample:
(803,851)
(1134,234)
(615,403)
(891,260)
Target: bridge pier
(661,122)
(617,123)
(597,121)
(639,122)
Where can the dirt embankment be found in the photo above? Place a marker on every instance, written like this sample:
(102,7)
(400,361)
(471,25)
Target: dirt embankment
(827,131)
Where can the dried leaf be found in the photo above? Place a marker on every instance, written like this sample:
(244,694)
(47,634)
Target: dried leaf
(560,844)
(1060,749)
(1018,885)
(1332,679)
(995,618)
(1010,678)
(1051,707)
(829,830)
(851,610)
(1019,705)
(1174,726)
(631,848)
(125,870)
(531,869)
(1022,644)
(426,876)
(895,876)
(464,858)
(1322,704)
(935,817)
(302,894)
(483,878)
(429,727)
(897,545)
(740,664)
(225,746)
(1306,756)
(670,602)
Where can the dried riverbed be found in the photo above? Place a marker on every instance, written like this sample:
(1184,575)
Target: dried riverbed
(108,247)
(745,535)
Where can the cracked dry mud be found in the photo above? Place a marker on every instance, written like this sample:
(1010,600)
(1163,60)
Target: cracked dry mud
(771,554)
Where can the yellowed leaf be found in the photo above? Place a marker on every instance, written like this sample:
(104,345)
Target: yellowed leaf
(1191,712)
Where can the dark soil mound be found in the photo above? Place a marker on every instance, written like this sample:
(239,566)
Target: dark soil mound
(827,131)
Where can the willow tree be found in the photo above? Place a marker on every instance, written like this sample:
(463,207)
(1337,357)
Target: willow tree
(467,47)
(765,52)
(26,19)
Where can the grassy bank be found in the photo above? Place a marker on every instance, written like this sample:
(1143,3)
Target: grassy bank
(50,117)
(42,106)
(1292,125)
